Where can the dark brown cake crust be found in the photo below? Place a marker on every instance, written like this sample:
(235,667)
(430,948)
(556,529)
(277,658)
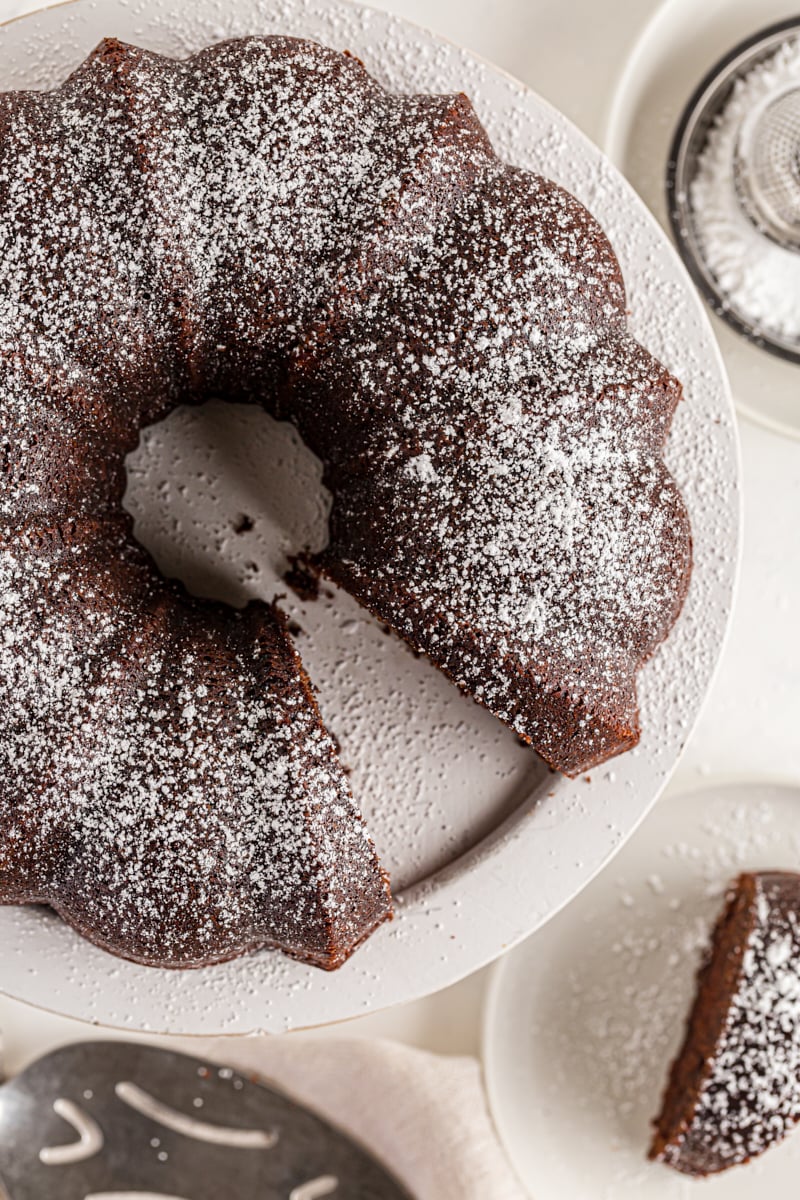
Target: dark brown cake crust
(265,222)
(734,1088)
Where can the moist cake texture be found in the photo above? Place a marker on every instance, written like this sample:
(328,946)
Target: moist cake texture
(734,1089)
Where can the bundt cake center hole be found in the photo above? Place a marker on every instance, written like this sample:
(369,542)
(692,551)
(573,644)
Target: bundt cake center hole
(222,495)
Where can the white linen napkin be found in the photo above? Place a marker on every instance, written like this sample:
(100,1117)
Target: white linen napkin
(423,1115)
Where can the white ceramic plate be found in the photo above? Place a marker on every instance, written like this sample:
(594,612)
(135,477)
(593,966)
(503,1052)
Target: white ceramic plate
(584,1018)
(483,844)
(677,48)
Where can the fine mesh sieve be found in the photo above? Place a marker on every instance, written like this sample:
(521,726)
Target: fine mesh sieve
(765,168)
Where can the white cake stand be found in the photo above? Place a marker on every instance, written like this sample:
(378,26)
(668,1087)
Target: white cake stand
(484,845)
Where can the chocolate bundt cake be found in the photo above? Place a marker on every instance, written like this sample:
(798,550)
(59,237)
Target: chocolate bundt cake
(266,223)
(734,1089)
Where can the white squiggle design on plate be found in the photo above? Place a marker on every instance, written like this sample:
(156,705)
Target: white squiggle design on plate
(315,1189)
(202,1131)
(131,1196)
(90,1137)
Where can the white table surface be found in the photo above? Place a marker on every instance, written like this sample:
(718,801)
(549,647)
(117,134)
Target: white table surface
(572,51)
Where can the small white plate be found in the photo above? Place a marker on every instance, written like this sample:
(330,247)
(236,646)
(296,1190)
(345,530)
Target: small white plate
(583,1019)
(679,45)
(482,843)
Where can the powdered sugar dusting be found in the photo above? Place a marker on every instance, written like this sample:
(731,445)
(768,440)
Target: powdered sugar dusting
(187,805)
(510,513)
(203,222)
(751,1097)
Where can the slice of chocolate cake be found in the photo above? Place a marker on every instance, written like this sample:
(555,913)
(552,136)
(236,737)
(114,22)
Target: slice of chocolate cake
(734,1088)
